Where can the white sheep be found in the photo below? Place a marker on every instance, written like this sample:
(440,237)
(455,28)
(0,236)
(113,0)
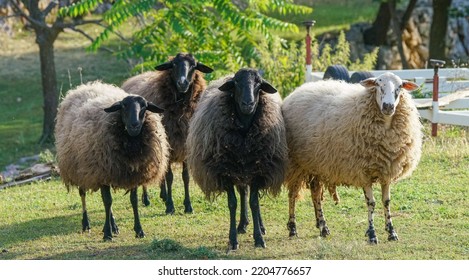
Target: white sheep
(107,138)
(354,135)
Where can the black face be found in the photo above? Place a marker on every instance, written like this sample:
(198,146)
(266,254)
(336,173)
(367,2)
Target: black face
(182,68)
(246,86)
(132,110)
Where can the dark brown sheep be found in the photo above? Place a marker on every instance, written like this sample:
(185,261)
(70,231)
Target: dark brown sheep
(237,137)
(176,87)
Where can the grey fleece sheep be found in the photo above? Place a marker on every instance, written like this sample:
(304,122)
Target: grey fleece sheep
(354,135)
(107,138)
(237,137)
(176,86)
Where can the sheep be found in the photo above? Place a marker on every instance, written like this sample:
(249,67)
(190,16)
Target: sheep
(107,138)
(237,137)
(353,135)
(176,87)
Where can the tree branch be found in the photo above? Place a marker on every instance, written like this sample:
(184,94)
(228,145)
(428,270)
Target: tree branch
(73,28)
(49,7)
(72,24)
(21,13)
(407,14)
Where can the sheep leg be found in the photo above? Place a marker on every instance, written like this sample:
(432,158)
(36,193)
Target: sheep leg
(185,178)
(255,209)
(163,193)
(137,226)
(107,200)
(244,217)
(169,195)
(317,197)
(85,221)
(232,204)
(370,203)
(145,196)
(386,198)
(261,224)
(292,195)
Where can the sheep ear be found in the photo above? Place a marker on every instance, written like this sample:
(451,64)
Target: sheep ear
(228,85)
(203,68)
(268,88)
(164,66)
(114,107)
(370,82)
(410,86)
(153,108)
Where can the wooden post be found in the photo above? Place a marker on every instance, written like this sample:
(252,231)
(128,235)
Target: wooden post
(309,66)
(436,79)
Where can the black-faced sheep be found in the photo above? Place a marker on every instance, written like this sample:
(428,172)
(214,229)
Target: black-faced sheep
(237,137)
(107,138)
(176,87)
(354,135)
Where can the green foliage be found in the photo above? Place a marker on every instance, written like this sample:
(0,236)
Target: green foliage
(282,63)
(220,33)
(340,54)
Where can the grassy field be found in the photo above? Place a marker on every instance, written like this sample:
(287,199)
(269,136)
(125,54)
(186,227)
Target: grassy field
(42,220)
(429,209)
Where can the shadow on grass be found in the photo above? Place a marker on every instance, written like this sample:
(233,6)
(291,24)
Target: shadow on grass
(165,249)
(35,229)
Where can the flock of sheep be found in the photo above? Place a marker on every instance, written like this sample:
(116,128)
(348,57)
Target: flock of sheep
(237,133)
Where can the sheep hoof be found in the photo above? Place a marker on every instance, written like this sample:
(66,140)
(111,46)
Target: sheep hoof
(263,230)
(233,247)
(115,229)
(188,209)
(325,232)
(372,239)
(393,237)
(241,229)
(292,227)
(170,211)
(107,238)
(259,244)
(140,234)
(146,201)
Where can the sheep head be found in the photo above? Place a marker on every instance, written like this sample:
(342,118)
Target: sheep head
(388,88)
(183,68)
(132,110)
(246,86)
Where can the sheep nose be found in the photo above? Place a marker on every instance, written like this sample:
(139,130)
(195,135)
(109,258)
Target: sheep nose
(388,108)
(248,103)
(134,124)
(182,82)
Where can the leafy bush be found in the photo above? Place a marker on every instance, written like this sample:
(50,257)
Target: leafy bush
(340,54)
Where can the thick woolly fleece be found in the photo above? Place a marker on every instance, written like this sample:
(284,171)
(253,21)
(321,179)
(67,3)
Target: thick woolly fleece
(218,149)
(157,87)
(336,132)
(94,149)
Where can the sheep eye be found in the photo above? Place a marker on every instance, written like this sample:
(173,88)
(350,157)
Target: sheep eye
(142,112)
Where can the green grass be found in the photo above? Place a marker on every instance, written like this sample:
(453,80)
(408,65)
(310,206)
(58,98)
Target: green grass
(332,15)
(429,212)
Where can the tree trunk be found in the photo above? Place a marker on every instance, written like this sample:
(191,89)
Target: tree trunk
(45,39)
(438,29)
(377,34)
(396,28)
